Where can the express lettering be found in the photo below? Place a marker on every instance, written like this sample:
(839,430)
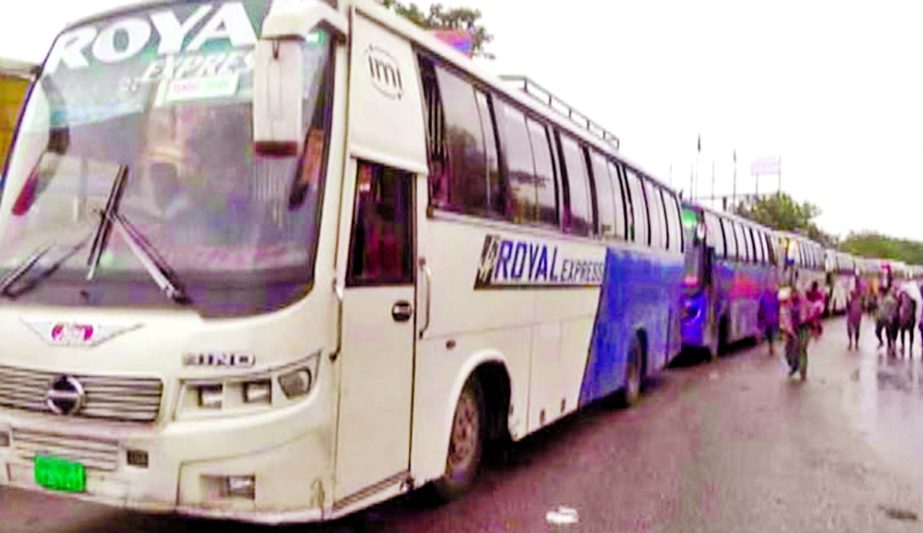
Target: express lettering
(125,38)
(514,263)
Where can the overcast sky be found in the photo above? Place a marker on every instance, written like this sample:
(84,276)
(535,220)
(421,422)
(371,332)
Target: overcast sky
(834,88)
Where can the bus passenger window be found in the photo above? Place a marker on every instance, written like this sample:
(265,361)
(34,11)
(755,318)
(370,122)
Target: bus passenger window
(522,197)
(463,167)
(621,212)
(381,247)
(544,173)
(578,207)
(655,210)
(731,238)
(605,199)
(640,227)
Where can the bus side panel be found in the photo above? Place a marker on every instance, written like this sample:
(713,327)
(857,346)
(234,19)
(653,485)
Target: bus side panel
(640,294)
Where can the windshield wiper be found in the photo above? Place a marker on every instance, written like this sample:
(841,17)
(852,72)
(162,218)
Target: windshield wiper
(101,239)
(153,262)
(16,274)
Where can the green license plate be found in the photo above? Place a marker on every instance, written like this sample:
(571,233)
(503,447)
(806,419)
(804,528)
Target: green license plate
(60,474)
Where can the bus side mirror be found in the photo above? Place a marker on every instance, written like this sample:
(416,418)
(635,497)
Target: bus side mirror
(278,87)
(279,72)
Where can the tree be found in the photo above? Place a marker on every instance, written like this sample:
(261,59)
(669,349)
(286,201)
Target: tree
(782,212)
(870,244)
(442,18)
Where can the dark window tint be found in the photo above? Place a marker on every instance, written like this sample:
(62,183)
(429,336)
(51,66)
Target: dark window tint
(714,234)
(381,247)
(461,168)
(731,238)
(494,183)
(678,214)
(578,208)
(605,198)
(639,224)
(743,250)
(655,211)
(673,230)
(544,173)
(618,189)
(520,170)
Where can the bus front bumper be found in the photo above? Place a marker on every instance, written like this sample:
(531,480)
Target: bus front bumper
(201,469)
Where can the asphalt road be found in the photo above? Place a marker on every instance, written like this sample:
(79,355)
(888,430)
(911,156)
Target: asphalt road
(730,446)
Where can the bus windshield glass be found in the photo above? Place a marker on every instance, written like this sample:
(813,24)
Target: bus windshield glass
(163,95)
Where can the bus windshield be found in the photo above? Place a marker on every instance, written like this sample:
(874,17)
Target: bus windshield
(164,96)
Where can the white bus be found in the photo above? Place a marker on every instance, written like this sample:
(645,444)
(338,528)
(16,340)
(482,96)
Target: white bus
(803,261)
(842,270)
(277,261)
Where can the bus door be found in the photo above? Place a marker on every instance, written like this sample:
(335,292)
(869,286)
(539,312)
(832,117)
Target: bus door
(378,325)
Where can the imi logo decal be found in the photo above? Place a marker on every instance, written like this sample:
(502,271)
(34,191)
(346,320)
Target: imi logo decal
(509,263)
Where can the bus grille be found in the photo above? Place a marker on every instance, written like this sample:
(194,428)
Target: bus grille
(91,453)
(113,398)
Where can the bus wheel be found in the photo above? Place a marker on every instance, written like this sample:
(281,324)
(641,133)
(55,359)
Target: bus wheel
(631,392)
(466,443)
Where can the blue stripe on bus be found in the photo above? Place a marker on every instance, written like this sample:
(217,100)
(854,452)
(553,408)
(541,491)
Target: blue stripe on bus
(640,292)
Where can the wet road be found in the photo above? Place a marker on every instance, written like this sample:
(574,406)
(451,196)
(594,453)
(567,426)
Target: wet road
(731,446)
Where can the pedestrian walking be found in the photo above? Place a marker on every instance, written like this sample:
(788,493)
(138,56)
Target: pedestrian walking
(854,317)
(886,321)
(796,328)
(768,316)
(815,300)
(906,319)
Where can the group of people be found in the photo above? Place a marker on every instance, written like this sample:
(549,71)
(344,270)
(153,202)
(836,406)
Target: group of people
(896,316)
(797,317)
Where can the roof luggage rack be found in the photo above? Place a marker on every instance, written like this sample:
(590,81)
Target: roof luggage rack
(544,96)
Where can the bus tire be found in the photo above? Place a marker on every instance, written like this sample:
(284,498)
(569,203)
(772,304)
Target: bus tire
(630,394)
(466,443)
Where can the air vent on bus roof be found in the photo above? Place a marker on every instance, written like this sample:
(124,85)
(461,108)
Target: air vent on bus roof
(544,96)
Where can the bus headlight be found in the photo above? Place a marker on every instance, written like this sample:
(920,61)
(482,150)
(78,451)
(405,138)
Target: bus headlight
(296,383)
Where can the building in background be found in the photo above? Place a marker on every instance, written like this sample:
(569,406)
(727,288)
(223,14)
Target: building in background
(15,79)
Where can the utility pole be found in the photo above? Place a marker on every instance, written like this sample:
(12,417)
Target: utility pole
(734,193)
(713,179)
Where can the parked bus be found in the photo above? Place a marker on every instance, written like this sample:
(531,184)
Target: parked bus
(285,305)
(841,271)
(729,265)
(803,263)
(15,80)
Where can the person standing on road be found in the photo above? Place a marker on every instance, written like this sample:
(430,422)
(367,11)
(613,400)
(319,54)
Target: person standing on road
(854,317)
(769,314)
(906,318)
(887,320)
(796,327)
(816,298)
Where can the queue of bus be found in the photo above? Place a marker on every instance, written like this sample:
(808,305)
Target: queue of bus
(732,262)
(422,260)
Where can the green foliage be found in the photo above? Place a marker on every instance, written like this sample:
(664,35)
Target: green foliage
(440,17)
(869,244)
(782,212)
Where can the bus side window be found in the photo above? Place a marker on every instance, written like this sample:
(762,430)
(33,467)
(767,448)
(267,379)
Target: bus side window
(622,214)
(669,218)
(638,207)
(730,238)
(655,210)
(522,195)
(463,165)
(605,199)
(381,247)
(578,201)
(715,235)
(678,220)
(544,174)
